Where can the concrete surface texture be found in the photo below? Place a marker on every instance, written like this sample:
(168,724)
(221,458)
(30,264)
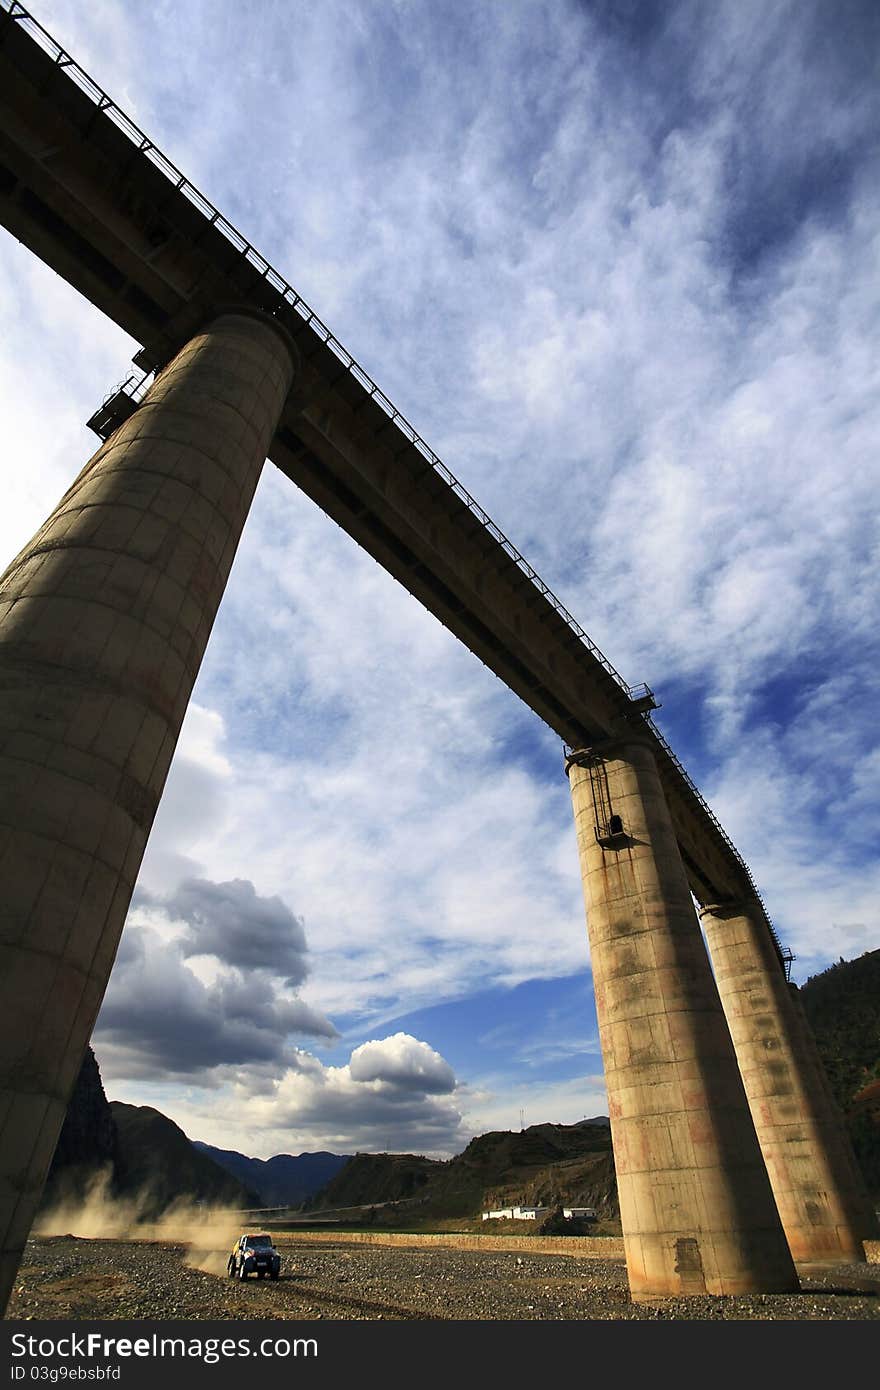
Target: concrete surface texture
(104,618)
(696,1206)
(818,1188)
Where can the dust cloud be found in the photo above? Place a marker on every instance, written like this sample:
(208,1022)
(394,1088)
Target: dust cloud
(97,1212)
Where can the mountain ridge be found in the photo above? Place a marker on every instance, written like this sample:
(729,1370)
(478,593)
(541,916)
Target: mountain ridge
(546,1164)
(283,1180)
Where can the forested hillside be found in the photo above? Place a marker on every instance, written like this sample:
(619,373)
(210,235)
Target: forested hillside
(843,1008)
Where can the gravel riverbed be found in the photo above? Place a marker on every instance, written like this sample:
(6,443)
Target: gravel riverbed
(65,1277)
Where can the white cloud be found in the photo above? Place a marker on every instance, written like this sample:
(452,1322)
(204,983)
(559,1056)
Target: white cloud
(232,922)
(375,1102)
(159,1019)
(497,1105)
(404,1062)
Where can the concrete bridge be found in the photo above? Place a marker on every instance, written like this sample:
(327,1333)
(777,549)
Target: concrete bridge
(731,1159)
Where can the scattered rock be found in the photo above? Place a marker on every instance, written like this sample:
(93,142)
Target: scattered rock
(99,1279)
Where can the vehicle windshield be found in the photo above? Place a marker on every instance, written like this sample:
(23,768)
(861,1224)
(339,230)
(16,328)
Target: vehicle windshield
(258,1242)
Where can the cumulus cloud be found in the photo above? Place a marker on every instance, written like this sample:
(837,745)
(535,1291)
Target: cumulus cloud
(395,1093)
(303,1103)
(234,923)
(159,1019)
(404,1062)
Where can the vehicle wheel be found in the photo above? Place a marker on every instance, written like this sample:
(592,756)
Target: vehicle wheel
(242,1273)
(275,1273)
(260,1273)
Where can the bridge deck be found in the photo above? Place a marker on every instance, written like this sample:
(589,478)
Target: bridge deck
(85,190)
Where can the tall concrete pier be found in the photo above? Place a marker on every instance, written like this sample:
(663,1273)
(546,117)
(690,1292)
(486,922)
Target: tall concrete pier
(104,618)
(818,1187)
(696,1205)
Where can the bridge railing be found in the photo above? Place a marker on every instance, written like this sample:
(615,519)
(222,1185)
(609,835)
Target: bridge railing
(785,955)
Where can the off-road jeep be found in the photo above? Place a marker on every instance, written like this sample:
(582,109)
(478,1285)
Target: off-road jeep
(253,1255)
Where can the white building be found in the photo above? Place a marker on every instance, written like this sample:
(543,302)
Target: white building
(535,1213)
(516,1213)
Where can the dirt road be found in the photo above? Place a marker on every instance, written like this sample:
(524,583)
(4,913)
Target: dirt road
(64,1277)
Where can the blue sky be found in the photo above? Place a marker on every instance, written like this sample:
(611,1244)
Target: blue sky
(618,265)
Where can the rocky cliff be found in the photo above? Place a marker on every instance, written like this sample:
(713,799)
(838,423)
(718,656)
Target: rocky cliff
(139,1151)
(88,1142)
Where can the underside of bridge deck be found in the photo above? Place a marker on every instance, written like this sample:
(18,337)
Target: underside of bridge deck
(85,191)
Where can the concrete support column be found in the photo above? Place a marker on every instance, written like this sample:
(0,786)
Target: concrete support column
(816,1181)
(696,1205)
(104,618)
